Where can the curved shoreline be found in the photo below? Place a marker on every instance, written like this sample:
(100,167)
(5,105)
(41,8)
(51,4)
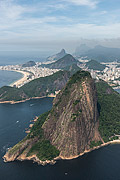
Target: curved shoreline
(92,149)
(22,75)
(14,79)
(20,81)
(52,162)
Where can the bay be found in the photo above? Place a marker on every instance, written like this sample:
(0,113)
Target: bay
(101,164)
(8,77)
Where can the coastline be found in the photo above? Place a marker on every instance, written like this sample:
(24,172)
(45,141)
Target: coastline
(115,88)
(90,150)
(22,101)
(21,80)
(34,158)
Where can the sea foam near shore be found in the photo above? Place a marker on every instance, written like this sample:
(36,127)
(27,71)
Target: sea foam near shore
(9,77)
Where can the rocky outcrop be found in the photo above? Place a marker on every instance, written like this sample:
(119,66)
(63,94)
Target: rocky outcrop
(73,121)
(22,147)
(68,129)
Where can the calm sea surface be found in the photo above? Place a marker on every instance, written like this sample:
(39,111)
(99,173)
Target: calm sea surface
(101,164)
(8,77)
(17,57)
(20,57)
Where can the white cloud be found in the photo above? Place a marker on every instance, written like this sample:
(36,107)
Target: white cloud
(10,10)
(90,3)
(20,22)
(58,6)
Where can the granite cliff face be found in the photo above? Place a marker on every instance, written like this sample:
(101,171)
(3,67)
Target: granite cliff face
(68,129)
(73,123)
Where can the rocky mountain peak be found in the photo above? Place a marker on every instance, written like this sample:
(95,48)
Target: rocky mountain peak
(73,122)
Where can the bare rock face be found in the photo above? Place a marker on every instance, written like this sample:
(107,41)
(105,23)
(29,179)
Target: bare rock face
(22,147)
(65,131)
(73,122)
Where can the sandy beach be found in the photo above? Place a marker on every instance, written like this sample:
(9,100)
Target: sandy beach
(21,81)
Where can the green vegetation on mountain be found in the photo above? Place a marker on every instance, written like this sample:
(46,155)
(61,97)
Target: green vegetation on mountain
(67,60)
(95,65)
(68,128)
(46,85)
(94,144)
(37,88)
(72,68)
(84,114)
(42,147)
(72,122)
(36,130)
(8,93)
(44,150)
(109,110)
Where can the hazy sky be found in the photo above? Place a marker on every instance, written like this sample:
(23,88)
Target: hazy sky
(53,24)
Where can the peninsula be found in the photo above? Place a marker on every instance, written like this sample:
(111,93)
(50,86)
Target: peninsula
(85,116)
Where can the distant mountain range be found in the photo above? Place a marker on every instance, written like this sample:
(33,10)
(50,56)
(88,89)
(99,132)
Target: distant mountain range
(83,48)
(57,56)
(99,53)
(65,61)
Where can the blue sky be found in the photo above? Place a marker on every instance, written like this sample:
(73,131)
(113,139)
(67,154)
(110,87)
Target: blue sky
(53,24)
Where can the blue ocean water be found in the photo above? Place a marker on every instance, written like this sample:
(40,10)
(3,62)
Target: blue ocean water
(8,77)
(17,57)
(20,57)
(101,164)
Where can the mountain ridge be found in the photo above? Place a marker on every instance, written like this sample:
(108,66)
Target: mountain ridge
(57,56)
(102,54)
(67,60)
